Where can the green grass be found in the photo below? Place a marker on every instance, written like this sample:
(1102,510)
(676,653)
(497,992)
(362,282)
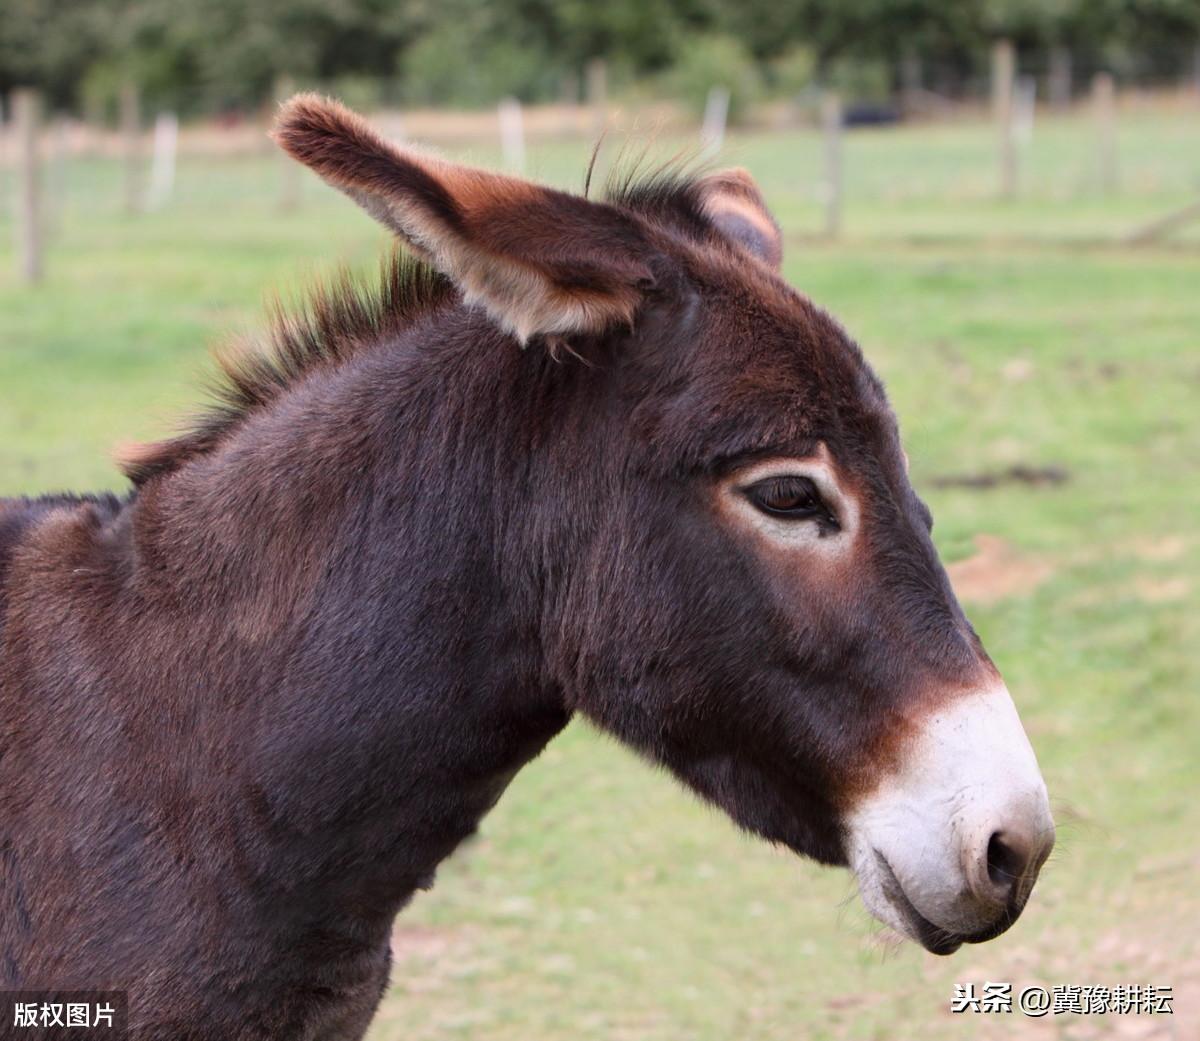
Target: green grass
(602,902)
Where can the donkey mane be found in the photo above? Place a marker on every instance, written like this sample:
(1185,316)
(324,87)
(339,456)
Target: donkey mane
(339,318)
(351,313)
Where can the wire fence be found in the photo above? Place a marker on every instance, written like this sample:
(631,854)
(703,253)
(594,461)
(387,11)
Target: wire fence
(1116,164)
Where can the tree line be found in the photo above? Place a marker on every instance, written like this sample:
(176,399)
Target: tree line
(227,55)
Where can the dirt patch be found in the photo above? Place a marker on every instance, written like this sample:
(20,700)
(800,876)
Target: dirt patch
(1020,473)
(996,572)
(1162,590)
(1018,370)
(1161,550)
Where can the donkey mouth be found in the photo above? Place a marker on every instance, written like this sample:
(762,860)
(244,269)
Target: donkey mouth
(933,938)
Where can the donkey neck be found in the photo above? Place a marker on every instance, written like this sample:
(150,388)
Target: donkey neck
(346,571)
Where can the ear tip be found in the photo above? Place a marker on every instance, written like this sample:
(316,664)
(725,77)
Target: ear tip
(733,178)
(302,106)
(307,116)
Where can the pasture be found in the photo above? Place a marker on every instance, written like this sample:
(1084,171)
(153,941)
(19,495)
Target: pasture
(599,901)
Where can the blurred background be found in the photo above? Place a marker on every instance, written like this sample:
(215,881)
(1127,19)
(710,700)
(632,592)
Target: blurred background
(999,198)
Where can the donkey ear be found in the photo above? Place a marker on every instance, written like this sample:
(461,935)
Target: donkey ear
(735,207)
(540,261)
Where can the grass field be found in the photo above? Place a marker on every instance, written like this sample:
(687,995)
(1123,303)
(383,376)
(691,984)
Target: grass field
(602,902)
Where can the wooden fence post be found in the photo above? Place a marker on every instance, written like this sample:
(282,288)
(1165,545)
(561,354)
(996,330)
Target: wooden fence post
(568,89)
(568,97)
(597,94)
(131,145)
(1003,74)
(1104,108)
(716,112)
(289,169)
(26,112)
(162,170)
(56,176)
(912,81)
(831,123)
(512,134)
(1058,80)
(1024,110)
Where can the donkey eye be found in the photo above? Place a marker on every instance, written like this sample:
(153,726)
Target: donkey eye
(793,497)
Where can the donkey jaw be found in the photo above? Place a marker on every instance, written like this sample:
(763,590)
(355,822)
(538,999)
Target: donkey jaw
(946,851)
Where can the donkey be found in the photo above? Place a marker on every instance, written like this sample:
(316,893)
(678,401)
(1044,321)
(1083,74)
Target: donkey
(578,456)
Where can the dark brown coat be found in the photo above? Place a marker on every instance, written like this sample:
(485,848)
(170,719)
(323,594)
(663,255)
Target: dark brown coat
(247,709)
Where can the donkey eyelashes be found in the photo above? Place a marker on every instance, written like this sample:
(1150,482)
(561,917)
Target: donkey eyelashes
(787,496)
(791,497)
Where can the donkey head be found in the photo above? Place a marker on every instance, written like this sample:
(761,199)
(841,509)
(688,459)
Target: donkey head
(739,579)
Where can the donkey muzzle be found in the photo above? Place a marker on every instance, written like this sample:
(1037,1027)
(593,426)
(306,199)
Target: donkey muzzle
(947,850)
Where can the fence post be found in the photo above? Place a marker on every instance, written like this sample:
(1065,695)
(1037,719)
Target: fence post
(131,131)
(1058,85)
(56,177)
(26,112)
(568,89)
(716,112)
(912,81)
(1104,106)
(289,169)
(512,134)
(162,170)
(597,94)
(568,98)
(1003,74)
(1024,109)
(831,123)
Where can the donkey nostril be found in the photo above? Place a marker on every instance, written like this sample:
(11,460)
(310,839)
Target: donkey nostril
(1005,862)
